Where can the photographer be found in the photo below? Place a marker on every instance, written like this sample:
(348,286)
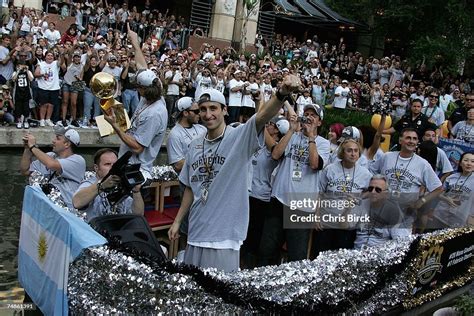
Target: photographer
(91,194)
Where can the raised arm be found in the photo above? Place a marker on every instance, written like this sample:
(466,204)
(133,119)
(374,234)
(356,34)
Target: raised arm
(271,108)
(139,57)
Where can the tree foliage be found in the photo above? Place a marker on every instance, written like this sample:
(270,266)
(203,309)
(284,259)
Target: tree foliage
(438,31)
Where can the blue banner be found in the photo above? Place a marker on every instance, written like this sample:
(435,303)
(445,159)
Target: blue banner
(50,239)
(454,149)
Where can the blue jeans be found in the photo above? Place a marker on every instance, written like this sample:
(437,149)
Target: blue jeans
(89,101)
(130,100)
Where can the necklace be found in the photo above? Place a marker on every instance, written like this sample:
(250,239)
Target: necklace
(462,185)
(398,174)
(348,178)
(209,167)
(137,114)
(187,134)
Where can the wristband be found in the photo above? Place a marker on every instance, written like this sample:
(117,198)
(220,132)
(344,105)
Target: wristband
(133,191)
(99,187)
(312,141)
(33,146)
(280,96)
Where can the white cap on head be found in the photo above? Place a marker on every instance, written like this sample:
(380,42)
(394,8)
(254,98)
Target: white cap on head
(184,103)
(146,78)
(281,124)
(211,95)
(350,132)
(69,133)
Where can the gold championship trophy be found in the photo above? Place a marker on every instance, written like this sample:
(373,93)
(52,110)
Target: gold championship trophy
(104,86)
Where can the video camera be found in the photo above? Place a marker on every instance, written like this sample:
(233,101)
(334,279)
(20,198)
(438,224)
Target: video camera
(130,176)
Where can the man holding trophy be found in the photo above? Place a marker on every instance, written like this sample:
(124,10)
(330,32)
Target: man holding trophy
(149,121)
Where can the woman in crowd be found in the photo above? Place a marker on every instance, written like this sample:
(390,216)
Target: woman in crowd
(71,86)
(47,75)
(456,205)
(340,180)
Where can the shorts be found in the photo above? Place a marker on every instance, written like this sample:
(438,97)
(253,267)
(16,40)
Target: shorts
(48,96)
(69,88)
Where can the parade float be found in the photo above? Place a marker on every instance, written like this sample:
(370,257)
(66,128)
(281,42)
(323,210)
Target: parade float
(67,267)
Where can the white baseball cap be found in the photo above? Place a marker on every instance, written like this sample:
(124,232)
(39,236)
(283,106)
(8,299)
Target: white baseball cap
(211,95)
(184,103)
(281,124)
(145,78)
(350,132)
(69,133)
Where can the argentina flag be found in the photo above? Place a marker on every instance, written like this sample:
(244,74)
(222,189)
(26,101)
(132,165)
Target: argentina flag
(50,239)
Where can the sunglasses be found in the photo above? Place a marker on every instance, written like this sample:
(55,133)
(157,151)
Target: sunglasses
(371,189)
(469,100)
(196,111)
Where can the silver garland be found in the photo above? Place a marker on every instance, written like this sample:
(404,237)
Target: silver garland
(38,179)
(104,280)
(163,173)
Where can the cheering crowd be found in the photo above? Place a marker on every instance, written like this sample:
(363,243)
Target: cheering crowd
(245,133)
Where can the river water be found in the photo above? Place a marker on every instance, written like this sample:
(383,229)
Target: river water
(11,196)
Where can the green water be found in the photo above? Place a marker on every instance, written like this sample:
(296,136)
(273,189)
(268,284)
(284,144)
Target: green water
(11,196)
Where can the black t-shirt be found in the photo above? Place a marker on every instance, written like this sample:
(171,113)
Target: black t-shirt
(89,73)
(127,82)
(22,86)
(458,115)
(420,124)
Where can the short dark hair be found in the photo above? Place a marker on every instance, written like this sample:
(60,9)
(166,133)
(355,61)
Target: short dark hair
(153,92)
(102,151)
(417,100)
(408,129)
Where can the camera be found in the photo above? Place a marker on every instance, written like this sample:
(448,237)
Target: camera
(130,176)
(303,119)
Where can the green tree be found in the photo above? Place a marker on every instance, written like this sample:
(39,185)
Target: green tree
(437,31)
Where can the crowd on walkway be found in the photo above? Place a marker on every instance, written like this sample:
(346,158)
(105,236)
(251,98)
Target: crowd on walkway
(262,112)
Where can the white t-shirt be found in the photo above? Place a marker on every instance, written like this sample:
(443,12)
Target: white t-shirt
(52,36)
(235,98)
(25,24)
(407,175)
(434,114)
(286,187)
(247,98)
(459,188)
(463,131)
(301,102)
(340,102)
(51,81)
(173,89)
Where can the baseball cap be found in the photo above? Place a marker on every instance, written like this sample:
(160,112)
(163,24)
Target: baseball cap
(281,124)
(76,53)
(145,78)
(316,108)
(100,37)
(184,103)
(350,132)
(112,57)
(345,81)
(201,62)
(69,133)
(211,95)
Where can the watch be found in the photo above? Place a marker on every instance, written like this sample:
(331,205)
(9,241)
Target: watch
(280,96)
(33,146)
